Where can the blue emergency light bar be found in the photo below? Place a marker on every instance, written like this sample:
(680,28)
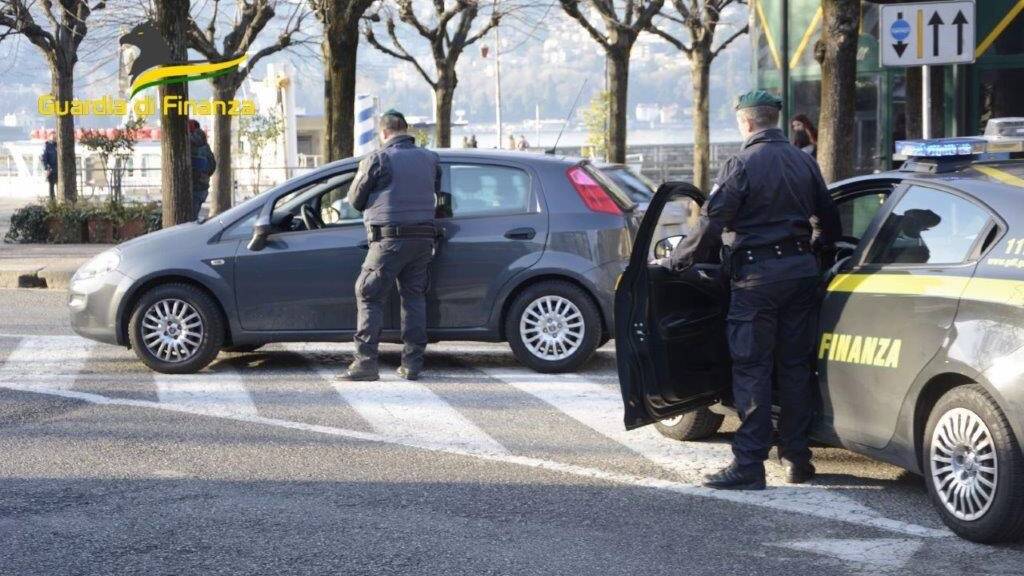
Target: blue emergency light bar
(941,147)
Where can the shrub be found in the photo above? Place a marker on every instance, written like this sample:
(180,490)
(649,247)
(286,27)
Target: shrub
(28,225)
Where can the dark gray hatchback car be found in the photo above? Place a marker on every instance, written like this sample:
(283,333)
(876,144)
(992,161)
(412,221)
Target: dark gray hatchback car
(532,247)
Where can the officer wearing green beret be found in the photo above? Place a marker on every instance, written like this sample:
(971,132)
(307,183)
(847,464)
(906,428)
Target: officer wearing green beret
(767,214)
(396,189)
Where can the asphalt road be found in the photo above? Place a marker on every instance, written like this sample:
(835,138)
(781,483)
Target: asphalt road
(263,465)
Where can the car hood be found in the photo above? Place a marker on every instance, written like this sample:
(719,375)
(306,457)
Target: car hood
(171,234)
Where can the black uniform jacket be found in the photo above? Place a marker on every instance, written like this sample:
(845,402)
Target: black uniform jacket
(769,192)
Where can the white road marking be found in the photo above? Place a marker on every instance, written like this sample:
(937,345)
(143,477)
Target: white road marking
(886,524)
(863,556)
(409,412)
(218,393)
(600,408)
(43,362)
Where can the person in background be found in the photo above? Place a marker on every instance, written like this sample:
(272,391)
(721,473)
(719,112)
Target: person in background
(803,134)
(49,159)
(522,145)
(472,141)
(511,141)
(465,141)
(203,165)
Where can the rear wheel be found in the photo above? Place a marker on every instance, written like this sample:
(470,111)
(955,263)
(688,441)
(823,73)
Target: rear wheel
(176,329)
(553,327)
(696,425)
(974,468)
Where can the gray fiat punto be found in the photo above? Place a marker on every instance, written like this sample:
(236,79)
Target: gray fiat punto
(531,249)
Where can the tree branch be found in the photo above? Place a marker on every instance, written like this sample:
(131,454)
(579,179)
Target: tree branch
(737,34)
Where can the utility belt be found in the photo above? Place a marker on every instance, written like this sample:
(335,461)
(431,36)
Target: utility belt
(378,232)
(783,249)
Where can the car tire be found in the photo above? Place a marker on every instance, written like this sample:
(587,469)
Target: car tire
(166,315)
(987,450)
(696,425)
(245,349)
(553,326)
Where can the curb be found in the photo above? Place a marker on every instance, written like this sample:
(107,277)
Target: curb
(53,277)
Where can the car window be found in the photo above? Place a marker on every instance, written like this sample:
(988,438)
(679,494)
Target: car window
(327,198)
(242,228)
(479,189)
(856,213)
(928,226)
(676,221)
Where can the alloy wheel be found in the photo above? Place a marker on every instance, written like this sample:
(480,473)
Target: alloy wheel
(964,464)
(552,328)
(172,330)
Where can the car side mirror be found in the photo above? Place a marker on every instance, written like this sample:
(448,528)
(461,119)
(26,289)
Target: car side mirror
(260,231)
(663,248)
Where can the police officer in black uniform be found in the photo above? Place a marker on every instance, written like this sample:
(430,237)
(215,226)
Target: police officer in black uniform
(396,189)
(772,204)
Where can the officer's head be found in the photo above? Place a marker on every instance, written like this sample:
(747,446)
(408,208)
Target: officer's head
(757,110)
(392,123)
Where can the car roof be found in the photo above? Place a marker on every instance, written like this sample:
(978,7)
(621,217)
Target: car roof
(999,184)
(468,154)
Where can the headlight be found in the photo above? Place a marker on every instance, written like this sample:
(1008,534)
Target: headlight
(101,264)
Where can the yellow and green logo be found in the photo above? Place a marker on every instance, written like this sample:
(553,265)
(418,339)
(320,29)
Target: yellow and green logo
(154,65)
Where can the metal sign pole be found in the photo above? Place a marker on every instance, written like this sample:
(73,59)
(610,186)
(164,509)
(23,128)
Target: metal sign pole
(926,102)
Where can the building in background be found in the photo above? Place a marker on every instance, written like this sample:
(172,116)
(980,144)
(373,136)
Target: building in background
(888,99)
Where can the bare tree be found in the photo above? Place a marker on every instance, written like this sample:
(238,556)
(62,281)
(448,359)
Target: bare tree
(340,45)
(700,19)
(175,152)
(836,51)
(446,45)
(248,20)
(58,38)
(622,22)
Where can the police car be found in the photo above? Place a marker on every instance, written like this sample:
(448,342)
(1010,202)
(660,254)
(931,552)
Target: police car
(920,361)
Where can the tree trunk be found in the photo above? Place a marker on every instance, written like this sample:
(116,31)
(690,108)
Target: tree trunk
(175,153)
(222,196)
(838,58)
(444,95)
(339,95)
(63,91)
(700,70)
(618,88)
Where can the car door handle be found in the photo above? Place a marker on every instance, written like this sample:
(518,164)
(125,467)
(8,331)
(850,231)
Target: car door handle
(521,234)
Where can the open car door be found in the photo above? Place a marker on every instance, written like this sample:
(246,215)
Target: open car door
(670,342)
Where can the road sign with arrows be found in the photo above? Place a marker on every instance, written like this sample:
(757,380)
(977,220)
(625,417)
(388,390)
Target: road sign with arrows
(927,33)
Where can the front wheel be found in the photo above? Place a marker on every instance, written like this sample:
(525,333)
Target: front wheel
(553,326)
(974,468)
(176,329)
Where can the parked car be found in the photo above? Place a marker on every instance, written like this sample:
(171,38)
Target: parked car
(921,355)
(532,247)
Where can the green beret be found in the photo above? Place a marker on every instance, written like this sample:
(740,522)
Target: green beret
(395,113)
(758,98)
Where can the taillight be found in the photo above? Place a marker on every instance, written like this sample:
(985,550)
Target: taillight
(592,194)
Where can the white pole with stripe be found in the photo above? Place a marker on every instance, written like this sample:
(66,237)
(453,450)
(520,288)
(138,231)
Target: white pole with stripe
(366,124)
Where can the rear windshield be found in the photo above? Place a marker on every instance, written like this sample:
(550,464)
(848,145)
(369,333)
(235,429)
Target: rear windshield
(621,198)
(636,185)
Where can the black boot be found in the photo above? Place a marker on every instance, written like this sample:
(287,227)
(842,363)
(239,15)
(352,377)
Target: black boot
(736,477)
(358,374)
(798,472)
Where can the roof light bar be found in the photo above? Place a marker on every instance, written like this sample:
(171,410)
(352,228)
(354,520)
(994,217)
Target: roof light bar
(940,147)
